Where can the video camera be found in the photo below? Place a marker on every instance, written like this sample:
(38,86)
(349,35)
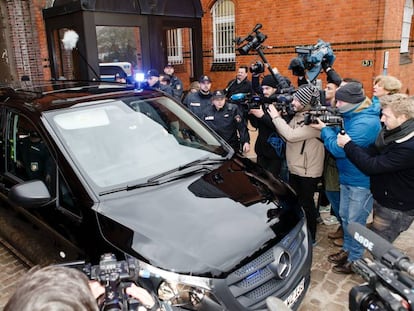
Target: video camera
(253,40)
(115,276)
(310,58)
(247,101)
(390,276)
(329,116)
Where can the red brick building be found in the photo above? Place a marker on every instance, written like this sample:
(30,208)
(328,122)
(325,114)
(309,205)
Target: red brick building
(365,35)
(361,33)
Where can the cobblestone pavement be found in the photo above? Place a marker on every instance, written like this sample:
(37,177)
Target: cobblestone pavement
(328,291)
(11,269)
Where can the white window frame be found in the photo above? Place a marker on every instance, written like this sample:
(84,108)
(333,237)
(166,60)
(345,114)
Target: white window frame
(406,27)
(223,13)
(175,46)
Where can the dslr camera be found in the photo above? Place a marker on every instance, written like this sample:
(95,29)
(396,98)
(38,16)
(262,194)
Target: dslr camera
(389,276)
(257,68)
(115,276)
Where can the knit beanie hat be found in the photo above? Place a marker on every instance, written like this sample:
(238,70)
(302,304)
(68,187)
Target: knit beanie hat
(269,81)
(305,93)
(351,93)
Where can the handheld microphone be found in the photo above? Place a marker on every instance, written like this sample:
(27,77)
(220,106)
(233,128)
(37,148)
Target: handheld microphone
(380,248)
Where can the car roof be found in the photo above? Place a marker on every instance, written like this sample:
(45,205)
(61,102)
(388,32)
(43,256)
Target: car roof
(62,94)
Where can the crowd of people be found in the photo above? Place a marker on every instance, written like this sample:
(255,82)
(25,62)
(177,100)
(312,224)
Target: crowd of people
(363,164)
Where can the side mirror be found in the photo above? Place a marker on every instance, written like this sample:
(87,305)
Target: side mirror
(29,194)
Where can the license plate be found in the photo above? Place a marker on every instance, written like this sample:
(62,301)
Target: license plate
(297,292)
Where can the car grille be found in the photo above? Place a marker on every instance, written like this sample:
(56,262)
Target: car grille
(255,281)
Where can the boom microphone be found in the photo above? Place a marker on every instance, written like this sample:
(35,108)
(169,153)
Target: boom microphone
(380,248)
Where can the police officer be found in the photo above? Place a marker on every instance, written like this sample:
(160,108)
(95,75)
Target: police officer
(153,81)
(226,119)
(34,157)
(198,101)
(175,82)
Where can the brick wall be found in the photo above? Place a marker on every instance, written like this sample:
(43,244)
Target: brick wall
(27,37)
(357,30)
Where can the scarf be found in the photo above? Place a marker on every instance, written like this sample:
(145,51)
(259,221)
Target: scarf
(386,137)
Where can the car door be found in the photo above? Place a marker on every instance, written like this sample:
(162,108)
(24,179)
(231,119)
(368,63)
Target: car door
(26,156)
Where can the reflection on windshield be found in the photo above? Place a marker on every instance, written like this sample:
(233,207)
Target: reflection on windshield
(121,141)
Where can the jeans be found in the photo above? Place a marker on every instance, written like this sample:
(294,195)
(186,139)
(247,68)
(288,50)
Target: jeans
(389,223)
(334,198)
(355,206)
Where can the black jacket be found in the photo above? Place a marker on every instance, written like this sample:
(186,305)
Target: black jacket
(391,172)
(197,102)
(233,87)
(228,123)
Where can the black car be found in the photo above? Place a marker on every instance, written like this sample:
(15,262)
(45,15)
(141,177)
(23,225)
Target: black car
(109,168)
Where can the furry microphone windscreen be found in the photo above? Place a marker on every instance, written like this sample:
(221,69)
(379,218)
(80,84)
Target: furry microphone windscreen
(70,39)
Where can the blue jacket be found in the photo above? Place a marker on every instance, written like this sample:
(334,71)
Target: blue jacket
(362,124)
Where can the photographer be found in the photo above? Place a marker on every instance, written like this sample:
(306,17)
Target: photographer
(62,288)
(361,122)
(304,151)
(389,164)
(260,119)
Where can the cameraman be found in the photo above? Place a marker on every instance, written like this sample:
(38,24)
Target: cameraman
(260,119)
(304,151)
(62,288)
(282,84)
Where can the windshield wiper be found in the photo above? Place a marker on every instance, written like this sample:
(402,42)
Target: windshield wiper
(203,161)
(155,180)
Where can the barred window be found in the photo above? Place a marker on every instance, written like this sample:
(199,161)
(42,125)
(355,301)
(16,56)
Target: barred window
(406,26)
(223,31)
(175,46)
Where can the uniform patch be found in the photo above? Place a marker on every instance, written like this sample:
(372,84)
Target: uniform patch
(195,104)
(226,115)
(208,118)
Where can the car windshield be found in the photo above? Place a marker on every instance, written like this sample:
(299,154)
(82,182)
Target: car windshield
(128,140)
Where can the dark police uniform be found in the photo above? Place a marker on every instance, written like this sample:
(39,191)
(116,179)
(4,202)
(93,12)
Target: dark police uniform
(35,158)
(228,123)
(198,102)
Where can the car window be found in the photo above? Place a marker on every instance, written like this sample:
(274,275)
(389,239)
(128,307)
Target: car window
(28,158)
(130,139)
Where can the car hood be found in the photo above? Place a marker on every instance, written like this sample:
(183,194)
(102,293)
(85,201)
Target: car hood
(202,224)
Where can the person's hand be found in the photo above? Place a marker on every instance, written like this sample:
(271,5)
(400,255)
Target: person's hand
(246,147)
(258,113)
(273,112)
(342,139)
(325,64)
(319,126)
(142,295)
(97,289)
